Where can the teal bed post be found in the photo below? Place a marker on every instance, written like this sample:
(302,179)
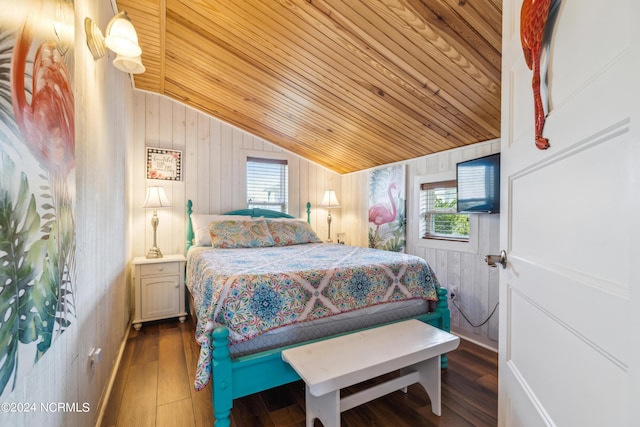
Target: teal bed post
(443,306)
(190,234)
(445,319)
(308,212)
(222,382)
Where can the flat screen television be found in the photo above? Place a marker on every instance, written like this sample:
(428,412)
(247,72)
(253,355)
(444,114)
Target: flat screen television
(478,184)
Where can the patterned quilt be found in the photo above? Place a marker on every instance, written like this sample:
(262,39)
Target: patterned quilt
(255,290)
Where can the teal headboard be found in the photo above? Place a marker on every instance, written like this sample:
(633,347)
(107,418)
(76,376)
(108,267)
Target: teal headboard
(255,212)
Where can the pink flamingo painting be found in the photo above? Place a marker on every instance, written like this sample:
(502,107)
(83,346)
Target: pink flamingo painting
(47,124)
(381,213)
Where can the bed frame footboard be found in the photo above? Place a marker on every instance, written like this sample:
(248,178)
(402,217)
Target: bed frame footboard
(444,322)
(242,376)
(222,373)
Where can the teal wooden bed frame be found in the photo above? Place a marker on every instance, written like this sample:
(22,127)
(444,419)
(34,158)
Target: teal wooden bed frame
(242,376)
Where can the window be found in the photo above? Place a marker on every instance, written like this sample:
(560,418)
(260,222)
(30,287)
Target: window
(438,216)
(267,184)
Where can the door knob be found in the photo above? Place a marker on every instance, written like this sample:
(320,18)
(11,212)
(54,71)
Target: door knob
(493,260)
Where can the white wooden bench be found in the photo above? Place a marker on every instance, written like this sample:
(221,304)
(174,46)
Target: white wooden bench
(330,365)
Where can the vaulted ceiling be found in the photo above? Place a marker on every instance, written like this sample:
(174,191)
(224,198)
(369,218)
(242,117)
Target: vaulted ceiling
(347,84)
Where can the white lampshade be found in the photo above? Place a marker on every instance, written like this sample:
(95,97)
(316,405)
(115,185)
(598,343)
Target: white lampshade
(330,200)
(156,198)
(122,37)
(129,64)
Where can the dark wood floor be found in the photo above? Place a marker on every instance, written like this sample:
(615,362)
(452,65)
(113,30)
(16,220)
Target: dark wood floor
(154,387)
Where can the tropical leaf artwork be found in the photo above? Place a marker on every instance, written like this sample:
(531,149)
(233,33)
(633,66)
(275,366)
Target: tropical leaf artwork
(9,133)
(37,214)
(387,208)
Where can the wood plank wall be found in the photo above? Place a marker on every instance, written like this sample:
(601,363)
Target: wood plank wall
(214,174)
(214,179)
(477,283)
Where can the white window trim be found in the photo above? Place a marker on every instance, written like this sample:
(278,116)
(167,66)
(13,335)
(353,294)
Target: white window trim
(470,246)
(292,166)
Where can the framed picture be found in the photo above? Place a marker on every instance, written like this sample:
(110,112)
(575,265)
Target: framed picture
(387,197)
(164,164)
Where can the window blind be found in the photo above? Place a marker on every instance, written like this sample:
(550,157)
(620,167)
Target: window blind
(267,184)
(438,216)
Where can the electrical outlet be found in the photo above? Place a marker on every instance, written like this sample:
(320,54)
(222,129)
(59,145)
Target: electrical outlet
(453,291)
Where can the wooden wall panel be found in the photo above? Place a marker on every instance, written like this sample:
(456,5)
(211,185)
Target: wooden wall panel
(477,283)
(214,154)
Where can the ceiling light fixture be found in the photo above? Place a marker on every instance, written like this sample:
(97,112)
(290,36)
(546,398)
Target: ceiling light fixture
(121,38)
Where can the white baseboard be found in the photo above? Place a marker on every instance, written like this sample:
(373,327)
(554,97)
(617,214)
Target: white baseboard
(488,344)
(104,400)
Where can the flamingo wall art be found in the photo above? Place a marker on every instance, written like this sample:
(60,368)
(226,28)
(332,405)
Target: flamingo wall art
(386,208)
(533,20)
(37,187)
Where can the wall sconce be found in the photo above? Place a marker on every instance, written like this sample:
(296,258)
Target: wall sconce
(121,38)
(329,200)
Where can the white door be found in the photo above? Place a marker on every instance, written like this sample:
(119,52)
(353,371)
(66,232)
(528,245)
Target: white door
(570,221)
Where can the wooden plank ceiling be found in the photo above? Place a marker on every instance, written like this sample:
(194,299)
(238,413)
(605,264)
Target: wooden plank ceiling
(349,85)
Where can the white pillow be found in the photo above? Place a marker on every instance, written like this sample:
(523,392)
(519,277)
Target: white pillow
(200,224)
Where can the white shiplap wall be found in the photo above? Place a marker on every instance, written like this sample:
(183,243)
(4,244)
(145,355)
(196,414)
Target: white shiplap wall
(477,283)
(214,174)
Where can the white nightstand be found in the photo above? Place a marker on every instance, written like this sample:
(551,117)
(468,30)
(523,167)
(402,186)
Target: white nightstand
(159,288)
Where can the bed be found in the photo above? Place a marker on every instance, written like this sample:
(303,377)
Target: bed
(278,286)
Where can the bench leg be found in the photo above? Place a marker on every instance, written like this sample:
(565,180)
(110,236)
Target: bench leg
(326,408)
(430,379)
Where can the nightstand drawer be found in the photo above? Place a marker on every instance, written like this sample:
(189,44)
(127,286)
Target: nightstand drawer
(160,268)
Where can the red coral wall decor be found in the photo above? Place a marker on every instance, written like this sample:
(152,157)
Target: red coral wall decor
(533,19)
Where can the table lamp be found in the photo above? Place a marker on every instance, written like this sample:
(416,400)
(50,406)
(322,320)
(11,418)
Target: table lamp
(329,201)
(156,198)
